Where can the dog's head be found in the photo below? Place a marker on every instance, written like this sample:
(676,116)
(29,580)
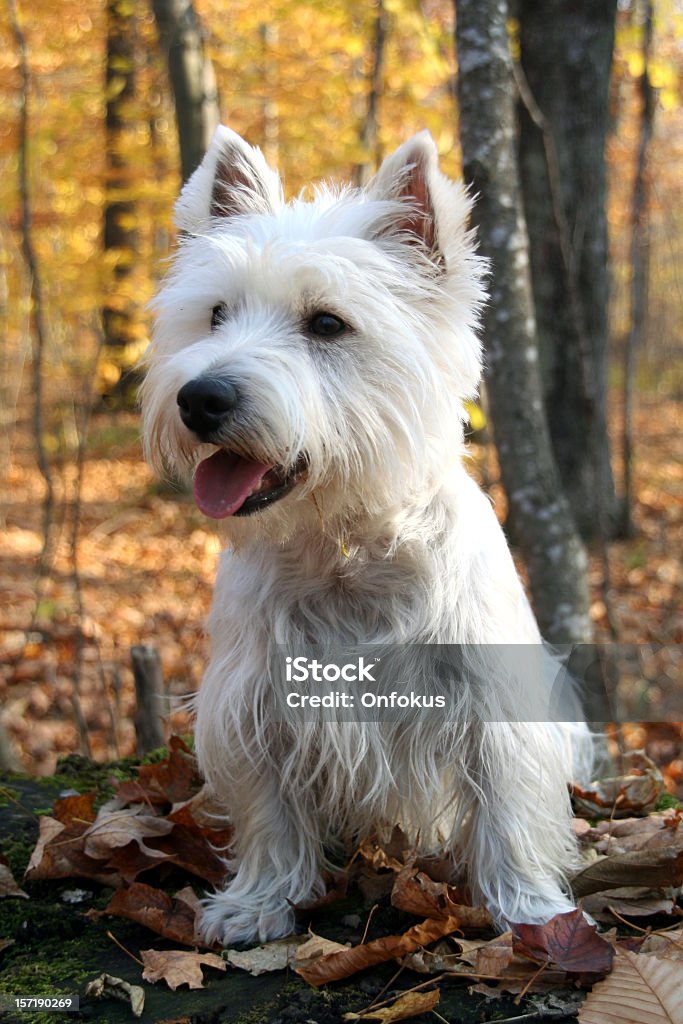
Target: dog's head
(311,359)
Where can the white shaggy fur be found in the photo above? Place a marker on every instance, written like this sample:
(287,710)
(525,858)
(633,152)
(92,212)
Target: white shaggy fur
(383,539)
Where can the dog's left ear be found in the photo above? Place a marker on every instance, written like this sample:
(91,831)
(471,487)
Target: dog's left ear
(409,175)
(233,178)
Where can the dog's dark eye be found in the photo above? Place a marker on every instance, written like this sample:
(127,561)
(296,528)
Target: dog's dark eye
(219,314)
(326,325)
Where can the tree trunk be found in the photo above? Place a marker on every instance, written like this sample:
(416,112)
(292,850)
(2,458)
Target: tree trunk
(38,314)
(541,519)
(149,693)
(566,56)
(192,79)
(639,268)
(369,130)
(119,312)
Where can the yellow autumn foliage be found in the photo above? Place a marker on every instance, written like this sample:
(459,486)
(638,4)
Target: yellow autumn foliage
(293,76)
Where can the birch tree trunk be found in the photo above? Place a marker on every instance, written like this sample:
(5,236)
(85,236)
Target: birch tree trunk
(566,57)
(192,79)
(541,520)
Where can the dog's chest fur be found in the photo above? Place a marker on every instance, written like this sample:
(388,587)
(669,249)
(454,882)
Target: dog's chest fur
(401,580)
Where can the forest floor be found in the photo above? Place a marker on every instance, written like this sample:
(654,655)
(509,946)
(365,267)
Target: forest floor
(146,559)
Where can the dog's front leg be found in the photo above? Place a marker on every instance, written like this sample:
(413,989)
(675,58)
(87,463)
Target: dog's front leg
(277,858)
(519,844)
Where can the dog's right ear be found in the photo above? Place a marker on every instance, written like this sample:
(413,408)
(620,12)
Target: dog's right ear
(233,178)
(411,175)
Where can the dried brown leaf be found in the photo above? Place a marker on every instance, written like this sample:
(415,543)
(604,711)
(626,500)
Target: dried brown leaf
(640,990)
(171,781)
(516,981)
(390,855)
(8,886)
(315,947)
(204,810)
(77,810)
(59,854)
(113,829)
(475,958)
(442,958)
(486,962)
(107,986)
(411,1004)
(196,814)
(190,897)
(629,834)
(654,868)
(343,963)
(118,844)
(488,959)
(178,966)
(638,789)
(131,860)
(271,956)
(48,828)
(567,940)
(627,901)
(174,918)
(372,885)
(191,849)
(664,945)
(417,894)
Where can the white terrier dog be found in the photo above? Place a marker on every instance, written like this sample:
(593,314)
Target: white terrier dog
(310,365)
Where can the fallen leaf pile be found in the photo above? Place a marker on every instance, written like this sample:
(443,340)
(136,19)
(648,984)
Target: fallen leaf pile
(163,822)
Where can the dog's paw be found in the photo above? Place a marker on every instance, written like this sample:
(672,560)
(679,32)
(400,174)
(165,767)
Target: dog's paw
(547,913)
(228,917)
(530,911)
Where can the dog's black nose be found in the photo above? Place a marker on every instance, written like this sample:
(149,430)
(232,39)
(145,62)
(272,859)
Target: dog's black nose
(206,404)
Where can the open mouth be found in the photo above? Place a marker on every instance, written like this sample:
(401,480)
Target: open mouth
(227,484)
(272,486)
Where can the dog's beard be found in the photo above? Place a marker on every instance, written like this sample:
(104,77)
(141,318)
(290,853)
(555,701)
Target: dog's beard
(276,477)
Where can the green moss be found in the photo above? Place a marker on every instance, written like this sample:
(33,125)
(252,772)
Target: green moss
(8,796)
(18,849)
(10,785)
(63,960)
(303,1004)
(667,800)
(85,776)
(56,949)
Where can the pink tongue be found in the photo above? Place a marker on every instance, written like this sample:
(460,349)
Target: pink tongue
(222,483)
